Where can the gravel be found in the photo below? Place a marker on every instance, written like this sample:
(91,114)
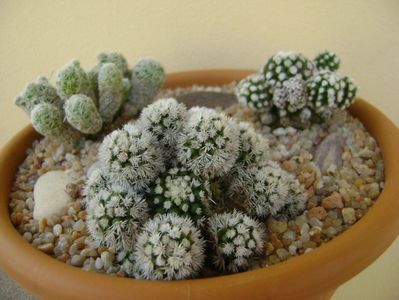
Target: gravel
(338,194)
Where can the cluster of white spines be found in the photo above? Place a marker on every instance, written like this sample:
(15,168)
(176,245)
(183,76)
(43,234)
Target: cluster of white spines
(209,144)
(164,119)
(181,192)
(253,148)
(236,239)
(169,247)
(131,156)
(114,213)
(327,60)
(108,85)
(254,92)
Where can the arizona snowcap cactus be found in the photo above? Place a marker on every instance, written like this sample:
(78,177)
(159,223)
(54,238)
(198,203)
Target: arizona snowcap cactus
(297,90)
(102,91)
(168,158)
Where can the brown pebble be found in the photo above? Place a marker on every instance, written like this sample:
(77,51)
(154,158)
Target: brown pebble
(317,212)
(277,244)
(269,248)
(309,244)
(42,224)
(63,257)
(82,214)
(46,248)
(333,201)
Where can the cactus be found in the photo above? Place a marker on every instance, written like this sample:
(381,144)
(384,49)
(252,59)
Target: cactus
(82,114)
(110,91)
(285,65)
(38,92)
(131,156)
(73,80)
(127,86)
(209,144)
(348,91)
(180,191)
(324,93)
(236,238)
(164,119)
(117,59)
(48,119)
(114,214)
(147,78)
(327,61)
(254,92)
(169,247)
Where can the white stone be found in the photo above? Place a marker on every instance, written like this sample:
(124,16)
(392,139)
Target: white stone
(50,194)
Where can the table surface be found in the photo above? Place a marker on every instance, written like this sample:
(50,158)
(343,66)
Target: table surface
(37,37)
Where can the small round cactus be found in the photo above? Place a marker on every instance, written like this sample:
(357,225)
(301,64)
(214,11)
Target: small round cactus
(116,58)
(236,238)
(180,191)
(47,119)
(147,78)
(348,92)
(164,119)
(82,114)
(114,214)
(285,65)
(72,80)
(131,156)
(291,96)
(36,93)
(323,91)
(110,91)
(209,144)
(254,92)
(267,189)
(169,247)
(327,60)
(253,148)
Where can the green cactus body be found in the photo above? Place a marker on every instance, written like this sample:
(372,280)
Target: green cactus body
(182,192)
(285,65)
(254,92)
(82,114)
(348,90)
(47,119)
(327,60)
(110,90)
(323,91)
(235,238)
(72,80)
(127,86)
(117,59)
(92,76)
(147,78)
(38,92)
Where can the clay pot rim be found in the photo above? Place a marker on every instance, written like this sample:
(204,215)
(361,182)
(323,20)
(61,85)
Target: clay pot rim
(300,276)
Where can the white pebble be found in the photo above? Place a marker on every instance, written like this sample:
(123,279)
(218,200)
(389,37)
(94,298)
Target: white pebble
(99,263)
(77,260)
(79,225)
(50,194)
(27,236)
(107,259)
(57,229)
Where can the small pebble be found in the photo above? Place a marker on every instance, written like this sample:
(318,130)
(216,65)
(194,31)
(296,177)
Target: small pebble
(348,213)
(77,260)
(333,201)
(317,212)
(57,229)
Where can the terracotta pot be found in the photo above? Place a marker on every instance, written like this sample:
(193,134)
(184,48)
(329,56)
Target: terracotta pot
(310,276)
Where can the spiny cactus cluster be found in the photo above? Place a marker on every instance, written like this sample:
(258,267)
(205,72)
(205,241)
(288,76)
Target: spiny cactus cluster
(86,101)
(298,90)
(170,157)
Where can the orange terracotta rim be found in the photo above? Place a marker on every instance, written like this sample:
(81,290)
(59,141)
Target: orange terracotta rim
(306,276)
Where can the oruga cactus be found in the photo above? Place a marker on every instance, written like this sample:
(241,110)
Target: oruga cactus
(299,91)
(108,85)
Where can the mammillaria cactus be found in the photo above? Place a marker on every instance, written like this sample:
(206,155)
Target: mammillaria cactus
(169,247)
(254,92)
(209,144)
(73,80)
(47,119)
(253,148)
(164,119)
(268,189)
(181,192)
(236,238)
(114,214)
(82,114)
(117,59)
(36,93)
(148,76)
(285,65)
(131,156)
(327,60)
(348,90)
(110,91)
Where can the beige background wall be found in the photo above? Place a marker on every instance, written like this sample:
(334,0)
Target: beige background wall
(37,37)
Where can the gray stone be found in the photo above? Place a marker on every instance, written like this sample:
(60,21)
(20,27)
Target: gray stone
(329,152)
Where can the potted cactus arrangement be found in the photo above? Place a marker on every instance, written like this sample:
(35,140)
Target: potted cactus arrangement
(133,181)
